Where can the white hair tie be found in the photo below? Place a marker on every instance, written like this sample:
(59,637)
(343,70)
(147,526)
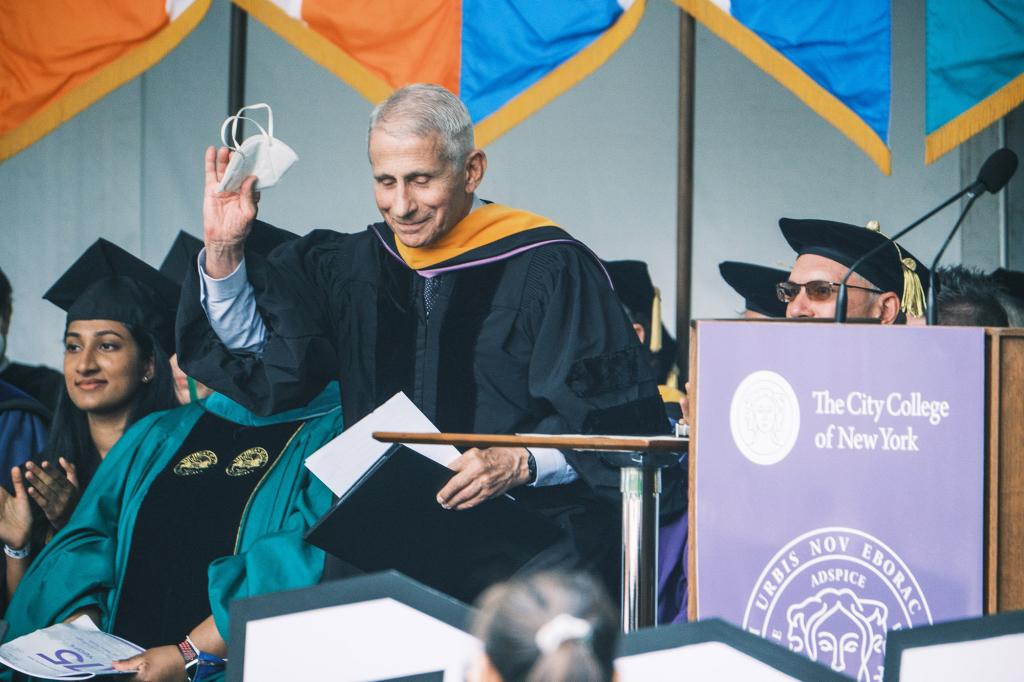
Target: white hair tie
(561,629)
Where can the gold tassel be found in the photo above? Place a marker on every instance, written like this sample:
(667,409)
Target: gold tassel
(672,381)
(912,301)
(655,344)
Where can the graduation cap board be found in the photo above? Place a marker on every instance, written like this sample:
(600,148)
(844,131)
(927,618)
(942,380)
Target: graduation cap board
(181,256)
(263,239)
(635,288)
(711,650)
(756,284)
(382,626)
(989,648)
(890,269)
(108,283)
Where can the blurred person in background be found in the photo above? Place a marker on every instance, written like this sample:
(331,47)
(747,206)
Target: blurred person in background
(968,297)
(41,383)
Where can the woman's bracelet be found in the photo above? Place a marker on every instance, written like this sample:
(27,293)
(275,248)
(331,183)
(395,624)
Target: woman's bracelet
(188,652)
(18,553)
(198,664)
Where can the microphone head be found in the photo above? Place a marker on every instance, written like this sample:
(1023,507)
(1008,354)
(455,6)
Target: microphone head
(997,170)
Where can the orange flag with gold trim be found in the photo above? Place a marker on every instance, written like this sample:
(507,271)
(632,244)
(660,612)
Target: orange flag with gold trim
(57,57)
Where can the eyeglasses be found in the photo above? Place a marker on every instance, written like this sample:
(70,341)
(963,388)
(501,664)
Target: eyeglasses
(817,290)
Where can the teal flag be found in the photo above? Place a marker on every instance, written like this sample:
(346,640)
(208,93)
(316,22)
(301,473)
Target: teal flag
(974,66)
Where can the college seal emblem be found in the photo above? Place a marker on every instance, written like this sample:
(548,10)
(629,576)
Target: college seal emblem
(764,417)
(831,594)
(195,463)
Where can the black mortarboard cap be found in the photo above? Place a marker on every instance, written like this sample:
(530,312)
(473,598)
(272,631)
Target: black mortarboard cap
(636,290)
(108,283)
(891,269)
(181,257)
(756,284)
(633,284)
(263,239)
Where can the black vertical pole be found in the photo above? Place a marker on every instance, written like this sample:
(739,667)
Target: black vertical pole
(236,63)
(684,196)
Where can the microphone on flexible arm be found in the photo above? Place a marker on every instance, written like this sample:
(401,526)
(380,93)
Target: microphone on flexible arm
(994,174)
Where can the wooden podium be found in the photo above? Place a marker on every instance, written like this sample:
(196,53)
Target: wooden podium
(1004,459)
(640,461)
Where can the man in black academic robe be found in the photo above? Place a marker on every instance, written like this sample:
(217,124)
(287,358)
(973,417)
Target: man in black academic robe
(491,319)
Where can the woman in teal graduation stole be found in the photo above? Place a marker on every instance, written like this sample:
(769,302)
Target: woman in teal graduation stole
(193,508)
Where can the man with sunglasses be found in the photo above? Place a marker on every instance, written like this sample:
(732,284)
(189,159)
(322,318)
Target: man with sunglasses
(889,286)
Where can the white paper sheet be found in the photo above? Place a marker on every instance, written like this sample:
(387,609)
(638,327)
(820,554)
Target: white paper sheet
(377,639)
(342,462)
(994,659)
(67,651)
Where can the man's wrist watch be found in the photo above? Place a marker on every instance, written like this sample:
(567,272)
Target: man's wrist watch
(531,468)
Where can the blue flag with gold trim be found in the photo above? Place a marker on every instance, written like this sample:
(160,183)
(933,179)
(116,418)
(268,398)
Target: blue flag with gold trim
(835,56)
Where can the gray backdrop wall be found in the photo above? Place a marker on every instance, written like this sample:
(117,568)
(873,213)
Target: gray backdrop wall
(601,160)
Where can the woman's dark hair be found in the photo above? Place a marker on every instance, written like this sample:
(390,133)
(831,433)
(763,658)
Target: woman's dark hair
(578,627)
(69,435)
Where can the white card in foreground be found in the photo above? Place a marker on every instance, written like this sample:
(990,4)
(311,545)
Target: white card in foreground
(67,651)
(343,461)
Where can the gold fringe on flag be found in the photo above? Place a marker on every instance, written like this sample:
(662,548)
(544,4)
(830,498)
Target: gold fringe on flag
(974,120)
(376,89)
(571,72)
(104,81)
(318,48)
(776,65)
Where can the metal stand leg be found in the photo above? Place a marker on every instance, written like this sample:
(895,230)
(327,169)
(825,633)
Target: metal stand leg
(640,487)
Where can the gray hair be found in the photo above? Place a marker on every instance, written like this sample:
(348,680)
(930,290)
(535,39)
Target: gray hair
(424,109)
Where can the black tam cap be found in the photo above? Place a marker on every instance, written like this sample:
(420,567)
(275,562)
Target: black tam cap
(893,268)
(633,285)
(263,239)
(756,284)
(108,283)
(638,294)
(181,257)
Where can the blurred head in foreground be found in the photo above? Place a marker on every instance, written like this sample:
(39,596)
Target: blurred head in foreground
(547,627)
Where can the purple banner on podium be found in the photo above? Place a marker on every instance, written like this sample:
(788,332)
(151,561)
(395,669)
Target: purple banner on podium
(839,483)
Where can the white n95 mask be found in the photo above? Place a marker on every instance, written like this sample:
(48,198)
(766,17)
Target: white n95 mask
(261,155)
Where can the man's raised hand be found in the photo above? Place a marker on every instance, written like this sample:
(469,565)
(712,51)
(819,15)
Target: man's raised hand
(227,216)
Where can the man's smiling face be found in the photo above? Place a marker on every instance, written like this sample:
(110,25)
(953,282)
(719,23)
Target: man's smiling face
(420,194)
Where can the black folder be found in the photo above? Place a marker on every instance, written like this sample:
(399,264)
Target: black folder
(390,519)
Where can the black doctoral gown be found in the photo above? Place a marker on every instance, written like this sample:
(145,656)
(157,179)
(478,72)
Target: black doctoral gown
(532,342)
